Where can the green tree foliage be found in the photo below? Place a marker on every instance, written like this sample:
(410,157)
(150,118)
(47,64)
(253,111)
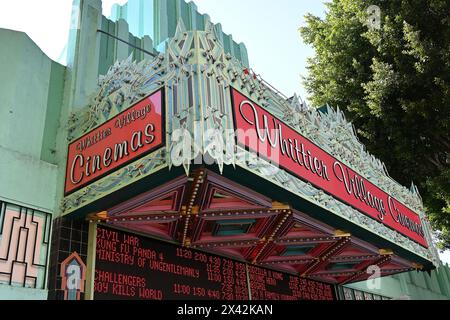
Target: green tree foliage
(393,83)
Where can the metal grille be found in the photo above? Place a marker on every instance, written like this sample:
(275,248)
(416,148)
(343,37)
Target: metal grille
(24,246)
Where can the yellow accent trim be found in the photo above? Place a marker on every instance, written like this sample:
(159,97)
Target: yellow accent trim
(418,266)
(96,217)
(386,252)
(90,265)
(195,210)
(280,206)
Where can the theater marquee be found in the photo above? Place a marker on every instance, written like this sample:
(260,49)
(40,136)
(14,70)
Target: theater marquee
(259,131)
(125,138)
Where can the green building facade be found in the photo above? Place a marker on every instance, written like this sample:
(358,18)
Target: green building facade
(43,105)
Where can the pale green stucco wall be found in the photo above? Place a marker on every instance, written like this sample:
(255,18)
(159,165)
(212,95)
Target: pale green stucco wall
(31,94)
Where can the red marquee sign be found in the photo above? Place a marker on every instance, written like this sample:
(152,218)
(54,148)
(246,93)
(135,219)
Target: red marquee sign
(261,132)
(128,136)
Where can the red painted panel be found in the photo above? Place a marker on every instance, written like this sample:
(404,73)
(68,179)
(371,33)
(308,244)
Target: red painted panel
(261,132)
(130,135)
